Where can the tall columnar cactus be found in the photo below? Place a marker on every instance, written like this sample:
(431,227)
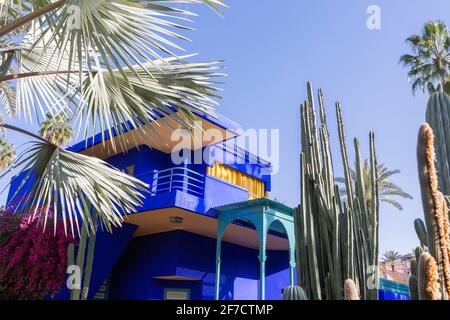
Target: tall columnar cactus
(336,239)
(434,207)
(438,117)
(421,231)
(413,287)
(428,282)
(413,279)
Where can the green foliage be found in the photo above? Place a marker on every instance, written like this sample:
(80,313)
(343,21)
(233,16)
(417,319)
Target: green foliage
(429,64)
(56,129)
(7,154)
(391,256)
(79,185)
(106,64)
(337,239)
(387,190)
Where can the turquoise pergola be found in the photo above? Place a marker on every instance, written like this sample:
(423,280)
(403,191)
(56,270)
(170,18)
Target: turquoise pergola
(265,215)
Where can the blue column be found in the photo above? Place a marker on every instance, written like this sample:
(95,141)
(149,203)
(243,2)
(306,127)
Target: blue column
(218,253)
(262,235)
(291,274)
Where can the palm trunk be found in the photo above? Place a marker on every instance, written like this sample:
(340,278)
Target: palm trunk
(26,132)
(30,17)
(16,76)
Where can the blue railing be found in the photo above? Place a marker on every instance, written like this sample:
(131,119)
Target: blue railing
(178,178)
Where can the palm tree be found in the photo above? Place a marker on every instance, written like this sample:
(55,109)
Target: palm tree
(429,64)
(7,154)
(391,256)
(386,189)
(109,64)
(56,129)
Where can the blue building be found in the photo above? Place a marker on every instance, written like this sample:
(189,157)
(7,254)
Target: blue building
(206,229)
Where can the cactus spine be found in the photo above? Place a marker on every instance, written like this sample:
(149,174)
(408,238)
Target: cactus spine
(336,239)
(428,284)
(294,293)
(350,290)
(435,208)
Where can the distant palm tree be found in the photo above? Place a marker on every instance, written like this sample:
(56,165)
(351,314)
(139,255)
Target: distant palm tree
(430,63)
(7,154)
(56,129)
(386,189)
(391,256)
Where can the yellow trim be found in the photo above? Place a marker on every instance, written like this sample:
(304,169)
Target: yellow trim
(254,186)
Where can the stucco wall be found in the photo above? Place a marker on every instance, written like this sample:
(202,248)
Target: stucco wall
(180,253)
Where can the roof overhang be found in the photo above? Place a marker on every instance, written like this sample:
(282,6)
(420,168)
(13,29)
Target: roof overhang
(161,139)
(158,221)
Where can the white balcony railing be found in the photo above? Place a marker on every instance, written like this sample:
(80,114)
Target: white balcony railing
(178,178)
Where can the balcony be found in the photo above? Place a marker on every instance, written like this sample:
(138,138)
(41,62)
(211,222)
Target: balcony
(177,179)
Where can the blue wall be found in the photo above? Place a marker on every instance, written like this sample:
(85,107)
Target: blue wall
(108,249)
(180,253)
(388,295)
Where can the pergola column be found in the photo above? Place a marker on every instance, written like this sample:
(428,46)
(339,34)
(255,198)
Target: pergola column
(262,235)
(218,252)
(261,214)
(290,230)
(222,225)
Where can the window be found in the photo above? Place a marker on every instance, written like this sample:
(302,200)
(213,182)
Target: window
(177,294)
(255,187)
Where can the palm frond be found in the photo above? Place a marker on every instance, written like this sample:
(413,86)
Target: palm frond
(386,188)
(174,85)
(8,98)
(430,64)
(74,185)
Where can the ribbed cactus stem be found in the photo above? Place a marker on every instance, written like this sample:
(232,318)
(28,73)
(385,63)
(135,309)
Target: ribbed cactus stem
(438,117)
(336,238)
(294,293)
(413,287)
(428,282)
(421,232)
(350,290)
(433,205)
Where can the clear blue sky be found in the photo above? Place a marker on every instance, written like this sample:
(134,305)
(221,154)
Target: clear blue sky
(273,47)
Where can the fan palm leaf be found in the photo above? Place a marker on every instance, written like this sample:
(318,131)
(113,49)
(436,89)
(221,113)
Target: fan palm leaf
(106,64)
(74,185)
(174,85)
(112,49)
(8,98)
